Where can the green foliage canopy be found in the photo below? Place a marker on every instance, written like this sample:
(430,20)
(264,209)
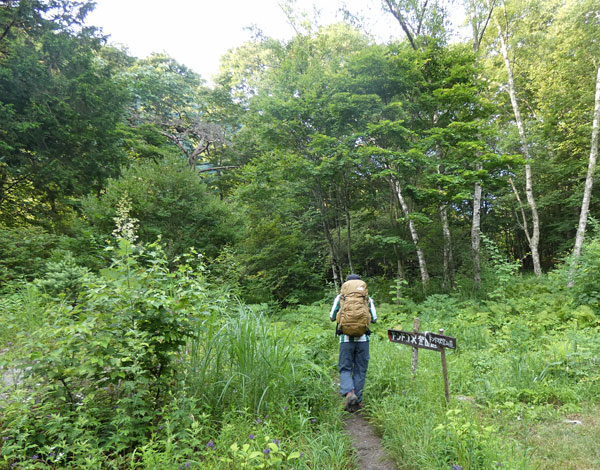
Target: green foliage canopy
(170,202)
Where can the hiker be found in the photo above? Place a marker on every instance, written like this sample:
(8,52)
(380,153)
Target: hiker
(353,310)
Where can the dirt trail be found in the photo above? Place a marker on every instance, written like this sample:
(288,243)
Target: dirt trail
(371,455)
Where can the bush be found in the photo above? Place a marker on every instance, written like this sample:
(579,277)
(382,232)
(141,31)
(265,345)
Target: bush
(582,275)
(103,370)
(27,253)
(169,201)
(63,278)
(24,252)
(150,365)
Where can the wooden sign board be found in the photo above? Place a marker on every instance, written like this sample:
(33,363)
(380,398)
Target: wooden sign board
(425,340)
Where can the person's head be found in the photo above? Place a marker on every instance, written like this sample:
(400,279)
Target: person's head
(352,277)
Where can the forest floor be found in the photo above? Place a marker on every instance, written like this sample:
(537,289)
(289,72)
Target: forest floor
(367,445)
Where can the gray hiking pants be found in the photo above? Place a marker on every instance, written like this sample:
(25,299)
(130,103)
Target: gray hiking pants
(353,363)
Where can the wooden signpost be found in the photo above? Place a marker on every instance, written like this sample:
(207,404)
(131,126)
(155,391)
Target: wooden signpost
(426,340)
(415,350)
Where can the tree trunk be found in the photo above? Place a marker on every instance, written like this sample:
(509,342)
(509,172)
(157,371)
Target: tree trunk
(349,233)
(589,180)
(479,29)
(448,258)
(476,234)
(535,236)
(480,24)
(343,199)
(399,269)
(400,276)
(3,180)
(448,261)
(318,194)
(524,225)
(338,238)
(333,266)
(413,234)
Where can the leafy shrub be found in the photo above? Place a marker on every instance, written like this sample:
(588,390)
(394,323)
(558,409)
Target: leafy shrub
(104,368)
(24,253)
(151,364)
(498,271)
(63,278)
(170,202)
(466,441)
(582,275)
(23,312)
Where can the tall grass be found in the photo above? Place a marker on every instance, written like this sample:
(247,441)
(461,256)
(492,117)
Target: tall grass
(263,364)
(525,362)
(257,378)
(240,360)
(419,429)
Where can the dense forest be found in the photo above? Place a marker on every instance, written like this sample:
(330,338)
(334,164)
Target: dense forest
(149,222)
(312,158)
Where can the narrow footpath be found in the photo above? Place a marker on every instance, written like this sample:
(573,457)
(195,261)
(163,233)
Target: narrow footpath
(371,455)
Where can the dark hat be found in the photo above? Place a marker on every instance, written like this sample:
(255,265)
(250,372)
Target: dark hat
(352,277)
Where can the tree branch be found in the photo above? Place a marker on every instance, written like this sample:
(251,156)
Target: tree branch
(524,226)
(402,22)
(216,168)
(7,29)
(485,25)
(177,142)
(421,17)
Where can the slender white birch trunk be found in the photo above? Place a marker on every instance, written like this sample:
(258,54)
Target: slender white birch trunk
(448,259)
(589,180)
(413,234)
(476,234)
(478,32)
(535,236)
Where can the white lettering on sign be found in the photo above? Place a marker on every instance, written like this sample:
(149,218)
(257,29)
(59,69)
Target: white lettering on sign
(422,340)
(444,342)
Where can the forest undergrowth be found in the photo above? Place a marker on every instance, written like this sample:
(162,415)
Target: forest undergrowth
(196,333)
(142,366)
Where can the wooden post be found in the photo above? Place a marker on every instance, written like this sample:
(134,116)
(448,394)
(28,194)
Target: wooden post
(445,370)
(415,351)
(427,340)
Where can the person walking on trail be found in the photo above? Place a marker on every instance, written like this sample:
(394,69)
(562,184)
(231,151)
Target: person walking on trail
(354,311)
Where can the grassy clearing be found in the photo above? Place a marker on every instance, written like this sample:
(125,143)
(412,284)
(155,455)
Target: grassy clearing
(564,443)
(143,368)
(514,382)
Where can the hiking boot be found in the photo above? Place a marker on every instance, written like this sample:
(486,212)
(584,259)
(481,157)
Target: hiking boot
(351,402)
(355,408)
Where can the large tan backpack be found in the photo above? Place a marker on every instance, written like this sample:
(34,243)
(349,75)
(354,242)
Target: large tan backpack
(353,317)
